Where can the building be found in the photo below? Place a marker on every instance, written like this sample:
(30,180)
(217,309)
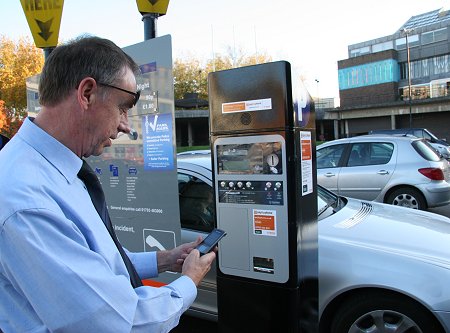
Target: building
(191,121)
(374,82)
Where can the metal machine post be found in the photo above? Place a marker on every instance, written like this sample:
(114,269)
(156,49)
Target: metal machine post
(262,130)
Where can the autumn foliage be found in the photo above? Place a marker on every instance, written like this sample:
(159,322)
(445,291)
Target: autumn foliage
(3,122)
(191,76)
(18,61)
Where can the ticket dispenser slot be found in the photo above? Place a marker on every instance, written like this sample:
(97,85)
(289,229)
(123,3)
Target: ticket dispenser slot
(262,130)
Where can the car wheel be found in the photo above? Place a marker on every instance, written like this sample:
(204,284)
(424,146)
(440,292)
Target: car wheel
(407,197)
(379,313)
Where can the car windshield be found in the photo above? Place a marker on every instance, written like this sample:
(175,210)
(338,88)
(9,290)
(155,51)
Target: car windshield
(328,203)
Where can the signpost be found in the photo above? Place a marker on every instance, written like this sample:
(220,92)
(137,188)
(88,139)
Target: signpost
(151,10)
(139,173)
(153,6)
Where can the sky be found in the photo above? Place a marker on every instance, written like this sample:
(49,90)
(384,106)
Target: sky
(312,35)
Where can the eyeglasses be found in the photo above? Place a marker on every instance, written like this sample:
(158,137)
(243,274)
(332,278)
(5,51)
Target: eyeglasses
(136,94)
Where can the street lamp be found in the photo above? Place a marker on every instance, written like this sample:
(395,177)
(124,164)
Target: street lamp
(318,98)
(407,32)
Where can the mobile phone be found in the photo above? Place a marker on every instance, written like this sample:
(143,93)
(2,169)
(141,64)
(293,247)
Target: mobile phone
(210,241)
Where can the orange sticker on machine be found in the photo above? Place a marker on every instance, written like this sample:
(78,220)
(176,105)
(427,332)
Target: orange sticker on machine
(247,106)
(264,222)
(306,150)
(233,107)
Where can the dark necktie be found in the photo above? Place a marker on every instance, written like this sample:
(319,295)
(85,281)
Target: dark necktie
(98,199)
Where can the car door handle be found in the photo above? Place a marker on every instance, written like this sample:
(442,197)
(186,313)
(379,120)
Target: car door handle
(383,172)
(329,174)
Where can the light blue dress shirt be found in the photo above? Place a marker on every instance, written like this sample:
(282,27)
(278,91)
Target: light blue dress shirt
(59,268)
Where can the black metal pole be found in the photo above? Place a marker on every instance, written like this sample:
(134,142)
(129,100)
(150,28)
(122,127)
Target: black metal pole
(409,81)
(149,20)
(47,51)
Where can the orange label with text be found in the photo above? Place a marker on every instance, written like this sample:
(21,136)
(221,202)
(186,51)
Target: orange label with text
(264,222)
(306,150)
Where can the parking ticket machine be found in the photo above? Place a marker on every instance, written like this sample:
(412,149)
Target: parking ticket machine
(262,129)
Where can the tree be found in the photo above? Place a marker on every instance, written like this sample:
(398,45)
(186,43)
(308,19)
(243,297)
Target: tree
(3,122)
(191,77)
(18,61)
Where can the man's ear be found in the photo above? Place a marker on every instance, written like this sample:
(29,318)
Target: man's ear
(87,92)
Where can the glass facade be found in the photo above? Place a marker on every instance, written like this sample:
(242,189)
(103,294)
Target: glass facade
(426,67)
(439,88)
(369,74)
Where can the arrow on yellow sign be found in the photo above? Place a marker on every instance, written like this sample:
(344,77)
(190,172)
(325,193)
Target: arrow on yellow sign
(45,29)
(44,20)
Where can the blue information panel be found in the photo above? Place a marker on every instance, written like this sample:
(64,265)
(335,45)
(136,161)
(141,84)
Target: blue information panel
(157,142)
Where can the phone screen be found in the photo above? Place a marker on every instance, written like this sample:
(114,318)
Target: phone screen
(211,241)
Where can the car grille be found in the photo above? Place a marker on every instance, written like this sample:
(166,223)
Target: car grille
(364,211)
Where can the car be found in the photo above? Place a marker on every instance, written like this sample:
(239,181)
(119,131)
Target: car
(382,268)
(442,149)
(417,132)
(195,152)
(442,146)
(399,170)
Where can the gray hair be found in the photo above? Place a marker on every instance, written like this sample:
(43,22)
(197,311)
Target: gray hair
(68,64)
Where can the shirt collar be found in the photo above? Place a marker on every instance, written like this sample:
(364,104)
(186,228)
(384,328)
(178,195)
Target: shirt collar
(57,154)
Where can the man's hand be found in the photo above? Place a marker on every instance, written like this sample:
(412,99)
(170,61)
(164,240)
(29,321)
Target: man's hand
(173,260)
(196,267)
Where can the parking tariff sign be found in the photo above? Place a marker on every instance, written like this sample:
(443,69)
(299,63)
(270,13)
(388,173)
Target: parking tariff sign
(158,148)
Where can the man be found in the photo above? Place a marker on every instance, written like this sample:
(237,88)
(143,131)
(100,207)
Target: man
(60,269)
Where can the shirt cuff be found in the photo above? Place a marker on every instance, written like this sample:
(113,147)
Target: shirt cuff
(186,288)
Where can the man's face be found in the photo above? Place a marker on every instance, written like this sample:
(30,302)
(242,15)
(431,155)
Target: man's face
(111,114)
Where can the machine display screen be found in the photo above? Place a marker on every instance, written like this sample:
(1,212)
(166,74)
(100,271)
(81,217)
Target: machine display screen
(253,158)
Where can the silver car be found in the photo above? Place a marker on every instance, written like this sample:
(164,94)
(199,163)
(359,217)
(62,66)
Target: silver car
(402,171)
(442,149)
(381,268)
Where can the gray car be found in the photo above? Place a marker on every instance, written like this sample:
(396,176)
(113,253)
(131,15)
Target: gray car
(441,146)
(402,171)
(381,268)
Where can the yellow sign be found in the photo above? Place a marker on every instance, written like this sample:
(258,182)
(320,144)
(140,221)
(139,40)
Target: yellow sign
(153,6)
(44,20)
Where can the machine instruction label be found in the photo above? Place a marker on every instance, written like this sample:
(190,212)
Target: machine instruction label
(306,163)
(264,222)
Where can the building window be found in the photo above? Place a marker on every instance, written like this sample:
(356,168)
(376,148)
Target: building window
(440,88)
(417,92)
(434,36)
(441,64)
(389,45)
(413,40)
(360,51)
(426,67)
